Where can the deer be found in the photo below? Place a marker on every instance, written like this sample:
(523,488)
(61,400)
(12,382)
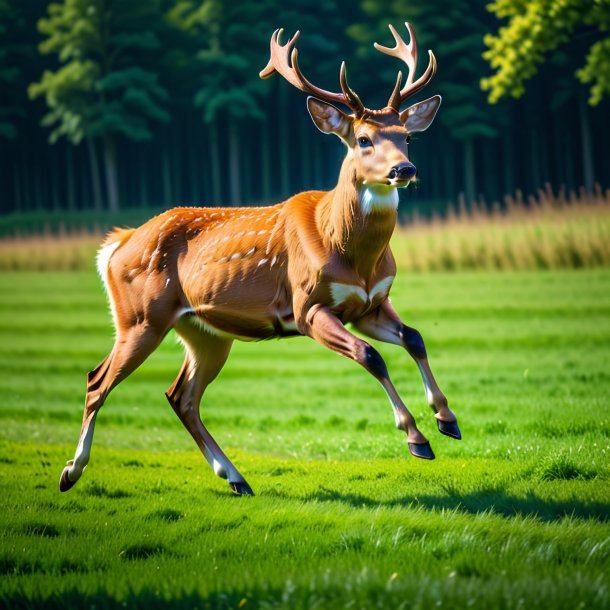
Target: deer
(304,267)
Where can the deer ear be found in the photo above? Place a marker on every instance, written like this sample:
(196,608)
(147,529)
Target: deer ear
(420,116)
(329,119)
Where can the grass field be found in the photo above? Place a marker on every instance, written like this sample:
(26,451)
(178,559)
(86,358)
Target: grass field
(514,516)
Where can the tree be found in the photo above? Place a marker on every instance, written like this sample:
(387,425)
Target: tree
(10,72)
(537,27)
(105,86)
(228,94)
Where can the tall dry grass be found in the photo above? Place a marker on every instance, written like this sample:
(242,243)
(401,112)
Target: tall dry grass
(64,252)
(546,231)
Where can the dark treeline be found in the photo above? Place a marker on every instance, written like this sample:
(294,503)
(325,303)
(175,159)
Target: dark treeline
(162,105)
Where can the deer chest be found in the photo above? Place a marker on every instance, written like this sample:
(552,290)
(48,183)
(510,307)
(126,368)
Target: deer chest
(354,300)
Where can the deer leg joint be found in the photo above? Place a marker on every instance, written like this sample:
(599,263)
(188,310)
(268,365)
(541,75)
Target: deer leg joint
(413,341)
(374,363)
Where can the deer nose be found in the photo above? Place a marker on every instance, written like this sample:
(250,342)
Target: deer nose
(404,171)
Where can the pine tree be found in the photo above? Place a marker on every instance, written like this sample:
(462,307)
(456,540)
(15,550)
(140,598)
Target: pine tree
(106,85)
(10,71)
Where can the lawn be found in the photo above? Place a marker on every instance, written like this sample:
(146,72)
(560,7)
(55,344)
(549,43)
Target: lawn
(516,515)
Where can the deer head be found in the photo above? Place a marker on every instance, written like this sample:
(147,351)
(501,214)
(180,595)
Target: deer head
(377,140)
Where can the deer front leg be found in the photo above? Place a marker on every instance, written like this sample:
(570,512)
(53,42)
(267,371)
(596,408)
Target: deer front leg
(323,326)
(384,324)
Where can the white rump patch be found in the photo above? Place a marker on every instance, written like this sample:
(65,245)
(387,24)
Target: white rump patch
(103,260)
(373,199)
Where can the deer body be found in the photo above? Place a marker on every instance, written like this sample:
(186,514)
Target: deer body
(306,266)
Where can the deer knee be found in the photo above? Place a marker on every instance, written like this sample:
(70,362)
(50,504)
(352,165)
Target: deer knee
(372,361)
(413,341)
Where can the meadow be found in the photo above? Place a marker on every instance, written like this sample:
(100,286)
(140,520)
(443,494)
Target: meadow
(513,516)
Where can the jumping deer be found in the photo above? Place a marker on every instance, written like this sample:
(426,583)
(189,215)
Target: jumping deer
(307,266)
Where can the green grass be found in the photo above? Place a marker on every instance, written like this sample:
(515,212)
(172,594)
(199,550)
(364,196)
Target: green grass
(514,516)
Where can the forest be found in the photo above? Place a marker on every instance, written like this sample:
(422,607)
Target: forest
(108,105)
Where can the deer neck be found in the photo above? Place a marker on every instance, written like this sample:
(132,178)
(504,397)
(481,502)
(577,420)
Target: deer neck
(358,220)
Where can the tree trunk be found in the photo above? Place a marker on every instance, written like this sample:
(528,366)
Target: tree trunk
(54,183)
(285,148)
(174,165)
(215,163)
(39,187)
(195,194)
(234,169)
(17,188)
(143,172)
(448,154)
(587,152)
(112,186)
(166,176)
(95,175)
(570,181)
(266,162)
(469,171)
(305,155)
(535,162)
(70,186)
(508,167)
(247,188)
(316,165)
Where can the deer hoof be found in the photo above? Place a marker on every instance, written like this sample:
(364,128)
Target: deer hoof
(449,428)
(423,451)
(241,488)
(64,481)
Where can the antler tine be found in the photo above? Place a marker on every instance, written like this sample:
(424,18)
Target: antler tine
(408,54)
(355,102)
(284,60)
(279,55)
(394,101)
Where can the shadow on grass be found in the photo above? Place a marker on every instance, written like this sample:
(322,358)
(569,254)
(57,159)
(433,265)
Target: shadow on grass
(104,601)
(494,500)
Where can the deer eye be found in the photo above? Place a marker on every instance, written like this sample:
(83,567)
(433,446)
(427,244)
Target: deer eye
(364,142)
(408,139)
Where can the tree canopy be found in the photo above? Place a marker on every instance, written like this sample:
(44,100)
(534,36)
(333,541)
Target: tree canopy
(537,27)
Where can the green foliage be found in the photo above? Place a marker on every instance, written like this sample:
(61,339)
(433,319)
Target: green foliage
(597,71)
(10,72)
(513,516)
(69,95)
(106,84)
(227,81)
(534,29)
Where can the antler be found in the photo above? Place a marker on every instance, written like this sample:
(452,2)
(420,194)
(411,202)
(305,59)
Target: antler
(408,54)
(284,60)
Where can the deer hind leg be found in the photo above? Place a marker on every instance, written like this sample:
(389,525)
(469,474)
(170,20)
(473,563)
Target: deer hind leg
(384,324)
(206,355)
(323,326)
(132,346)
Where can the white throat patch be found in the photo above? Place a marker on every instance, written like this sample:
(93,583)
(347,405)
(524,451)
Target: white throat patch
(378,198)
